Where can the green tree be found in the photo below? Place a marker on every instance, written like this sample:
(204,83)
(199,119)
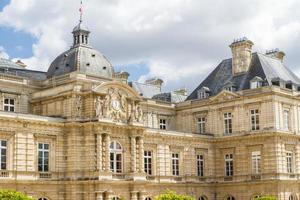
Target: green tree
(265,198)
(171,195)
(13,195)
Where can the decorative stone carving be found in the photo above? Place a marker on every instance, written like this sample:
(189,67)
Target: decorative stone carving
(118,107)
(78,106)
(99,107)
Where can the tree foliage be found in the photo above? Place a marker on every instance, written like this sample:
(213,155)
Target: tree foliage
(13,195)
(265,198)
(171,195)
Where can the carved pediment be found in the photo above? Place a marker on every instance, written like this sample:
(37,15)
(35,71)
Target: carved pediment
(224,96)
(117,102)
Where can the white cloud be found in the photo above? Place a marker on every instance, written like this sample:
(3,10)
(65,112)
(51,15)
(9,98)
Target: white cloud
(3,53)
(181,40)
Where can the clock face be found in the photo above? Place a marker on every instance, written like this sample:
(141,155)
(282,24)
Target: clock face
(115,104)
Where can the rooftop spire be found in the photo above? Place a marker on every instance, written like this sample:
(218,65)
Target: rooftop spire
(81,11)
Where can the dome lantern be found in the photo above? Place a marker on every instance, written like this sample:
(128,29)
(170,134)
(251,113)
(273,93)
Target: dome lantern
(80,32)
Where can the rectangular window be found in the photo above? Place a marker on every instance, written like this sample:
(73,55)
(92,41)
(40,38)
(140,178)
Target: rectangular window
(286,119)
(175,164)
(289,162)
(43,157)
(162,124)
(256,157)
(200,165)
(254,118)
(3,152)
(227,123)
(201,125)
(9,105)
(229,165)
(148,162)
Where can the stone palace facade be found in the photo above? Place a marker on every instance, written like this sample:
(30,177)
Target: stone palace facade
(81,131)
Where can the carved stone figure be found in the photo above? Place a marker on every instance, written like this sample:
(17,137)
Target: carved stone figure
(99,106)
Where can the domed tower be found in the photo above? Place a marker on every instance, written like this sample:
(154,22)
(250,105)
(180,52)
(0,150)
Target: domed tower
(81,57)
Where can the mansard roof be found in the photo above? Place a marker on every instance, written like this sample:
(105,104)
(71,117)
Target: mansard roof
(11,68)
(262,65)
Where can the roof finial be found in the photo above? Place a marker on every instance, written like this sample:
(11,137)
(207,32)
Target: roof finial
(81,11)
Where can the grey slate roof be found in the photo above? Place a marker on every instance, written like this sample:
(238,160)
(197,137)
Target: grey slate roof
(261,65)
(11,68)
(170,97)
(145,90)
(81,58)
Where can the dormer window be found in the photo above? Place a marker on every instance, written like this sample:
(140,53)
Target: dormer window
(256,82)
(203,93)
(230,89)
(229,86)
(276,81)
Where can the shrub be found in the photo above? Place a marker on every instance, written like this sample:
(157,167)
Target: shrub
(265,198)
(171,195)
(13,195)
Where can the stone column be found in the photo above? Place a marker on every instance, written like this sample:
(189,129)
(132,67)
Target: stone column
(99,195)
(133,153)
(134,195)
(107,161)
(141,155)
(108,195)
(99,151)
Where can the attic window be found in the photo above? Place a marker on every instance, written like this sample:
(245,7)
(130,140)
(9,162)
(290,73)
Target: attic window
(203,93)
(275,82)
(230,89)
(87,64)
(93,55)
(256,82)
(104,68)
(56,67)
(67,64)
(289,85)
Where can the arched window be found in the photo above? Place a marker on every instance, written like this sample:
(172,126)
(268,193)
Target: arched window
(202,198)
(148,198)
(115,198)
(115,150)
(43,198)
(229,198)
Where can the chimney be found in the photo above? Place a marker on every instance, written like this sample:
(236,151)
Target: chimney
(276,53)
(241,55)
(155,81)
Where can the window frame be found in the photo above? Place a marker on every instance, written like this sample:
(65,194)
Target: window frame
(11,107)
(256,162)
(228,128)
(43,150)
(229,164)
(289,162)
(162,123)
(286,119)
(148,159)
(175,162)
(254,119)
(200,165)
(115,157)
(3,163)
(201,125)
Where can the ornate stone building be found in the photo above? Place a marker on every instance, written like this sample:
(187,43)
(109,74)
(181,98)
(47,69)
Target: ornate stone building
(80,131)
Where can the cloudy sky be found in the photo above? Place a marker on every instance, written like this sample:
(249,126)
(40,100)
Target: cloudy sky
(180,41)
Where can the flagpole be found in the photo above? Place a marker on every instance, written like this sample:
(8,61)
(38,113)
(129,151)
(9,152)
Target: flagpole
(81,11)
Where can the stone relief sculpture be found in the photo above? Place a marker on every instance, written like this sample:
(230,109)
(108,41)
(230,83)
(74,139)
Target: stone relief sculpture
(116,106)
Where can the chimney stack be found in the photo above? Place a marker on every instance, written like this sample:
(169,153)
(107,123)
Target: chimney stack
(276,53)
(241,55)
(21,64)
(155,81)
